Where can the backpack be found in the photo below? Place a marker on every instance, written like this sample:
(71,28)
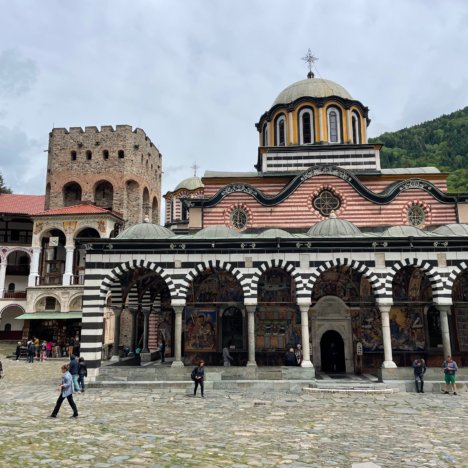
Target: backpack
(192,375)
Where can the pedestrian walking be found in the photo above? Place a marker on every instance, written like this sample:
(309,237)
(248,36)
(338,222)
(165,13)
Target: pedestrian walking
(82,373)
(198,376)
(18,350)
(66,390)
(73,368)
(450,367)
(36,346)
(419,367)
(49,349)
(162,349)
(290,359)
(298,354)
(31,351)
(227,358)
(71,343)
(43,351)
(76,347)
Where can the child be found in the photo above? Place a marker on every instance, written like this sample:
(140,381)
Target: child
(82,373)
(43,351)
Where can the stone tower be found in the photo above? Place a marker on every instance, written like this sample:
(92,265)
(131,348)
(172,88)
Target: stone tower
(115,169)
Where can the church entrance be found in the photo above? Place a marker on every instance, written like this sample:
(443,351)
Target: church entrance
(332,352)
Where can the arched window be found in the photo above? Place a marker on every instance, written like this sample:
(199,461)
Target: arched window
(73,155)
(334,133)
(8,327)
(184,211)
(265,135)
(355,128)
(72,194)
(105,154)
(11,287)
(89,155)
(121,154)
(281,131)
(306,127)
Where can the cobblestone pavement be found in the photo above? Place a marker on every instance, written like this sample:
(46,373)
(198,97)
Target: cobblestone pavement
(160,428)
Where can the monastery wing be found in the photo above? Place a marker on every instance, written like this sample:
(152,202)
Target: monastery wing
(382,198)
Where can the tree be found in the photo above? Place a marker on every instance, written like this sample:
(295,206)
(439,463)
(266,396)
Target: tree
(2,185)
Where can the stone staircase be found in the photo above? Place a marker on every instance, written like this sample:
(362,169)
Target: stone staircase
(349,388)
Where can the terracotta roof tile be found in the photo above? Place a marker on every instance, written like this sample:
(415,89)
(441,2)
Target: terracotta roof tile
(21,204)
(84,208)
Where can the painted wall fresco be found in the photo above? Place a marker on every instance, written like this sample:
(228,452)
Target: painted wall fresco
(277,327)
(276,286)
(411,285)
(215,285)
(343,282)
(460,295)
(165,329)
(200,329)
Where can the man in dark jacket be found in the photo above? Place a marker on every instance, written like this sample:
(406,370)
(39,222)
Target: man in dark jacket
(31,351)
(198,376)
(419,367)
(18,350)
(74,367)
(291,359)
(162,349)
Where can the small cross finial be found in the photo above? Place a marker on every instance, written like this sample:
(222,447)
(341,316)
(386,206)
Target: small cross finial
(195,168)
(310,59)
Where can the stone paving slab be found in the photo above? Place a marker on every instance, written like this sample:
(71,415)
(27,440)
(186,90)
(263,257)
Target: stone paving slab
(159,428)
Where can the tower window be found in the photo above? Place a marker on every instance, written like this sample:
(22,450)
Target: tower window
(280,131)
(184,211)
(121,154)
(355,125)
(306,128)
(265,135)
(105,154)
(333,127)
(89,155)
(73,155)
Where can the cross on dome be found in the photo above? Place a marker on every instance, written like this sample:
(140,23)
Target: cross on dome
(310,59)
(195,168)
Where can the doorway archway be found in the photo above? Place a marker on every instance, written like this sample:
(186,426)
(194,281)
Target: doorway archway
(233,328)
(333,357)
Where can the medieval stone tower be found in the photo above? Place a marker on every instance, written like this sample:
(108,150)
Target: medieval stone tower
(115,169)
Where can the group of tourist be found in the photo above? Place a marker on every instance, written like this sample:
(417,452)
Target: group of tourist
(449,367)
(43,351)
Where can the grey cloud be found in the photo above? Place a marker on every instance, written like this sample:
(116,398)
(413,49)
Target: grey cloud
(17,73)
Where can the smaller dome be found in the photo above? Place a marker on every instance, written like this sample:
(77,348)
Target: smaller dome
(192,183)
(273,234)
(334,227)
(404,231)
(452,230)
(217,232)
(146,230)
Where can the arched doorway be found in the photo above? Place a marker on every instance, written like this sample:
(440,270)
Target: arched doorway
(72,194)
(233,328)
(332,352)
(104,195)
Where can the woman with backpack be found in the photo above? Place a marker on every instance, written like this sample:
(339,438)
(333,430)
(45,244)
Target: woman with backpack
(66,391)
(198,376)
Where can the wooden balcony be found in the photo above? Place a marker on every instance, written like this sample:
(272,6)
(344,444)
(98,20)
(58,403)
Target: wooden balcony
(49,280)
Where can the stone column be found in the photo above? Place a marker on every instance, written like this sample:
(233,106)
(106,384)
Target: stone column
(34,271)
(115,354)
(146,314)
(321,123)
(134,313)
(178,337)
(444,325)
(348,124)
(387,338)
(3,267)
(251,333)
(306,362)
(68,265)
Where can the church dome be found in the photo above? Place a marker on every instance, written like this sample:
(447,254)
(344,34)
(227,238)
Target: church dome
(311,87)
(452,230)
(217,232)
(404,231)
(334,227)
(274,233)
(192,183)
(146,230)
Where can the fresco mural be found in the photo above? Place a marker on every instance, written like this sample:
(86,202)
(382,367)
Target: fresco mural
(165,329)
(459,296)
(200,329)
(215,285)
(276,286)
(411,285)
(343,282)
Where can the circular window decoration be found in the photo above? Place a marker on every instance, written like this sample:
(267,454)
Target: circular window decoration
(326,202)
(416,216)
(239,219)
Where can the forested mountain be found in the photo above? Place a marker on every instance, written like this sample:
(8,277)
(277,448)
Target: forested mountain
(442,142)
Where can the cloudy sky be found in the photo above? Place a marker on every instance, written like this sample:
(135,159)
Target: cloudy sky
(197,74)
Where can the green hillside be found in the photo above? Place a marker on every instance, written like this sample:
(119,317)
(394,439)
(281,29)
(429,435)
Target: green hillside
(442,142)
